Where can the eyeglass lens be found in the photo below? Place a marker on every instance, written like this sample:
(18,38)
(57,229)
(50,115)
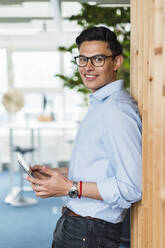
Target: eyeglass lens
(97,60)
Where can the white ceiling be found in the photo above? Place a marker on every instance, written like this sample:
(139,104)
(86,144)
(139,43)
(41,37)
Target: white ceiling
(26,10)
(30,21)
(14,2)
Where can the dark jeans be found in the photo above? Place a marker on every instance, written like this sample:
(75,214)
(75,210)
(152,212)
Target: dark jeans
(80,232)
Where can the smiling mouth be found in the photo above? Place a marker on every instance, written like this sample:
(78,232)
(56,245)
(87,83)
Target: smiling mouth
(90,77)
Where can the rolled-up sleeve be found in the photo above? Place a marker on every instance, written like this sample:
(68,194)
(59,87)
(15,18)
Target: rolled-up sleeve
(122,142)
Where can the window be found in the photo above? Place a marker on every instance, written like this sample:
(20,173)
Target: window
(36,69)
(3,71)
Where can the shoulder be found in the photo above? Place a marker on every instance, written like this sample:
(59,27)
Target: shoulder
(121,110)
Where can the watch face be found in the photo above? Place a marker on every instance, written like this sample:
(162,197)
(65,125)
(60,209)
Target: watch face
(73,193)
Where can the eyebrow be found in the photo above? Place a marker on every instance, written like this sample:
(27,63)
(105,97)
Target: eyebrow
(99,54)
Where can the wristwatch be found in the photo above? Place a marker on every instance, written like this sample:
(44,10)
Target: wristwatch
(73,192)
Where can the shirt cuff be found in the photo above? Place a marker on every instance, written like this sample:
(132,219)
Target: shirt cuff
(110,193)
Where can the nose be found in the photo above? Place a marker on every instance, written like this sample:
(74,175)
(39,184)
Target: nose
(89,65)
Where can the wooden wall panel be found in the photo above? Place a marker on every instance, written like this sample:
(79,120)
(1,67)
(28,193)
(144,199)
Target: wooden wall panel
(136,92)
(162,195)
(148,88)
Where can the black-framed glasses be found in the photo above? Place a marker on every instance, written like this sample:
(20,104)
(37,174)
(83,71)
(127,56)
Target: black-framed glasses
(97,60)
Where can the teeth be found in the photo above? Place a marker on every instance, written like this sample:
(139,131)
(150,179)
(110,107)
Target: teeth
(90,76)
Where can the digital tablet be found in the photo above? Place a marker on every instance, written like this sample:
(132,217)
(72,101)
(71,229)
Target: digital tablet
(24,165)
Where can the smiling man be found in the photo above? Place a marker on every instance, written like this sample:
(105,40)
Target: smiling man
(104,176)
(99,69)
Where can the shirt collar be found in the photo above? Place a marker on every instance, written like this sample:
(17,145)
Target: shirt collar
(107,90)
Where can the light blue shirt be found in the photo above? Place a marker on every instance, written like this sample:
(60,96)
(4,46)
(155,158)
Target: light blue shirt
(107,151)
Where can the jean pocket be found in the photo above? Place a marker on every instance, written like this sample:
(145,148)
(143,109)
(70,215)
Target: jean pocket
(72,230)
(63,238)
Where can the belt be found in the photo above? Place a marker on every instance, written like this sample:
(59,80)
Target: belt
(66,211)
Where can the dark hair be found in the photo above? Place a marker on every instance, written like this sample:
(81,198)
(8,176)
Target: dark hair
(102,34)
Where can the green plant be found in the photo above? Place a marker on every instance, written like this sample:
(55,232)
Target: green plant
(118,19)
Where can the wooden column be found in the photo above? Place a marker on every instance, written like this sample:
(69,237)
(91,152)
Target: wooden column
(148,88)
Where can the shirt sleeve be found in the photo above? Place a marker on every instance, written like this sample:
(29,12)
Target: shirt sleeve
(122,142)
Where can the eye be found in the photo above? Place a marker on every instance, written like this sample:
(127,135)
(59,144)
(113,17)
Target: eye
(98,59)
(82,59)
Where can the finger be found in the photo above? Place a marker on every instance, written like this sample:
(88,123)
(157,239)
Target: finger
(34,180)
(42,194)
(43,173)
(36,167)
(38,188)
(38,175)
(47,171)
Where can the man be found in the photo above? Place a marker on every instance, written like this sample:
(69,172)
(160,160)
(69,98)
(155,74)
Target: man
(104,176)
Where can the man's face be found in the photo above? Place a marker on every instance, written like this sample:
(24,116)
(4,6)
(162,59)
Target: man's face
(97,77)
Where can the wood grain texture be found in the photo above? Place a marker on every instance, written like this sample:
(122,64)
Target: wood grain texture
(148,88)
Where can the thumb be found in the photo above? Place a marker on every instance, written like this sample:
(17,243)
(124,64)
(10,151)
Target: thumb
(46,170)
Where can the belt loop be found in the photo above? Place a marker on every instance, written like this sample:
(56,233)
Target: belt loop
(64,209)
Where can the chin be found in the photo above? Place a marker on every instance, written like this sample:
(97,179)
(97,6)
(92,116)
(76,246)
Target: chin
(91,85)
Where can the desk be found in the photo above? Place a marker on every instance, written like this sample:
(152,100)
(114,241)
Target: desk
(32,127)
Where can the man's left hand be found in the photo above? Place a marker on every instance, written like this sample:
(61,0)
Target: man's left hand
(55,185)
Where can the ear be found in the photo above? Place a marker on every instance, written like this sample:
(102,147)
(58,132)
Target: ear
(117,62)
